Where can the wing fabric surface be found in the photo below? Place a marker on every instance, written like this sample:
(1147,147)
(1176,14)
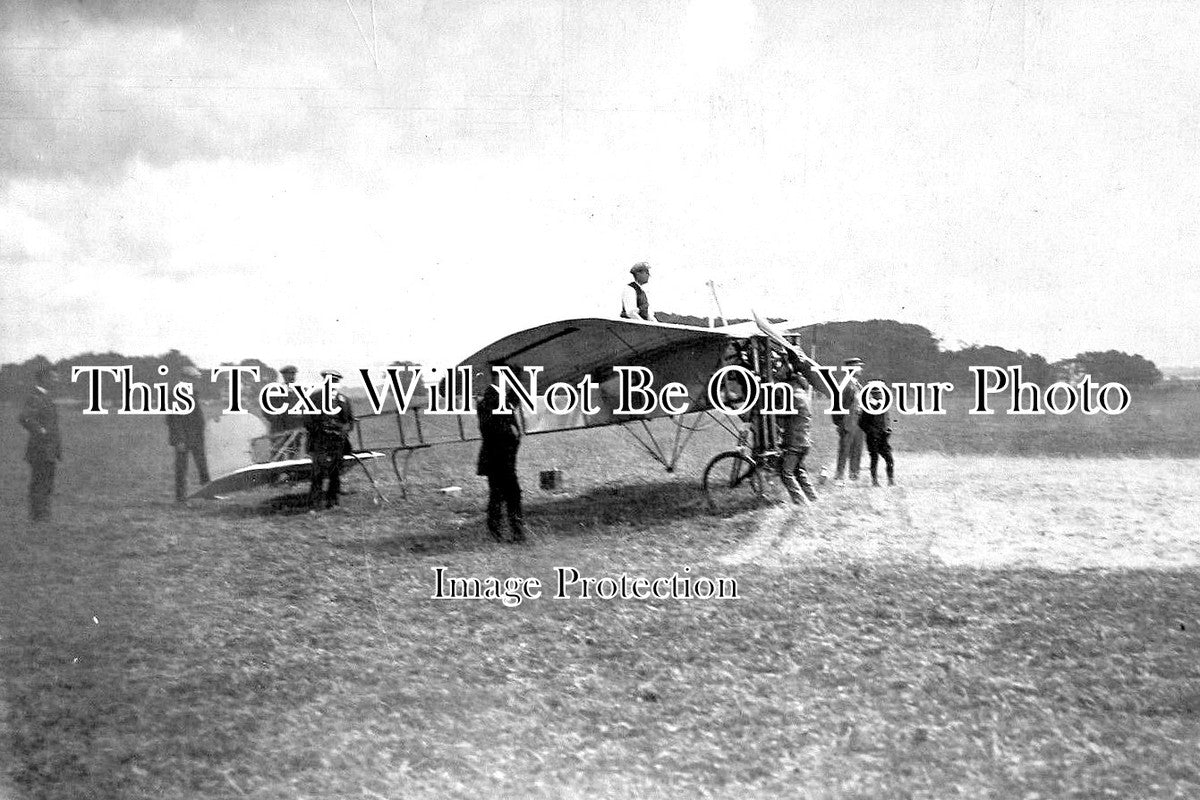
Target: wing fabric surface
(570,350)
(256,475)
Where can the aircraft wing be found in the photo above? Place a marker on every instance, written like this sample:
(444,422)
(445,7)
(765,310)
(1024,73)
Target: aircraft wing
(570,350)
(255,475)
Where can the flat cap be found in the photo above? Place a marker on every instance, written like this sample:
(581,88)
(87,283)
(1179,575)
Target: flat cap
(853,362)
(331,373)
(288,370)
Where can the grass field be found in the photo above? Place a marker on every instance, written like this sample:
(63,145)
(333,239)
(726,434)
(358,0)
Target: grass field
(994,626)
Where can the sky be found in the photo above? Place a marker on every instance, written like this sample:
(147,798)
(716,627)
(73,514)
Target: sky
(347,182)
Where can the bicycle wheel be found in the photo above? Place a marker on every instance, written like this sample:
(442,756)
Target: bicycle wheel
(732,480)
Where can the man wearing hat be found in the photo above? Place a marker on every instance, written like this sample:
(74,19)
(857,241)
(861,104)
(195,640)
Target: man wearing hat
(39,416)
(328,441)
(634,302)
(185,433)
(282,426)
(850,436)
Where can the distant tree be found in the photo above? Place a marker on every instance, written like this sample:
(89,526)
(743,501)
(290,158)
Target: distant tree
(1112,365)
(1035,368)
(15,379)
(893,351)
(250,387)
(266,373)
(10,381)
(681,319)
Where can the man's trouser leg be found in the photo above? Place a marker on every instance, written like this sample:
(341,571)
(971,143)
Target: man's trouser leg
(334,491)
(326,460)
(495,507)
(794,477)
(842,450)
(854,448)
(885,452)
(181,464)
(318,480)
(201,463)
(41,484)
(512,500)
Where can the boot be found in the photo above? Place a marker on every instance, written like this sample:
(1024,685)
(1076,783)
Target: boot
(518,529)
(493,526)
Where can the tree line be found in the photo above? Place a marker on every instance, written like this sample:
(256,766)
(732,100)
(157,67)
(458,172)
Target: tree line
(893,351)
(899,351)
(15,379)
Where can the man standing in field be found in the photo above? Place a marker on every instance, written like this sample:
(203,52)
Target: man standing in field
(328,442)
(850,436)
(635,303)
(877,428)
(39,416)
(797,439)
(500,436)
(185,434)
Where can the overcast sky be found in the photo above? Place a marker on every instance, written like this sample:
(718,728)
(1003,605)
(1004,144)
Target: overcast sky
(346,182)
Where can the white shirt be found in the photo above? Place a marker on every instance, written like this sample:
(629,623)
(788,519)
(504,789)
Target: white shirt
(629,307)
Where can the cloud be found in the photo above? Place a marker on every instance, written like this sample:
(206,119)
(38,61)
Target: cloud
(92,89)
(246,155)
(59,12)
(115,84)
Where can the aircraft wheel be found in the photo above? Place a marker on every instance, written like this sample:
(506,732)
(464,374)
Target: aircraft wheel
(732,479)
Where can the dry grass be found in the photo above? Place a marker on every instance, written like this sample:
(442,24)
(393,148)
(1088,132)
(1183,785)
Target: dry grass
(1156,424)
(990,628)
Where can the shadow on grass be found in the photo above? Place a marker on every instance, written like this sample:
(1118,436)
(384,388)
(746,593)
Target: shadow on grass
(597,511)
(292,504)
(641,504)
(249,506)
(462,540)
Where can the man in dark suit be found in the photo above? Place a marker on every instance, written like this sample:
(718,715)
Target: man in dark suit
(39,416)
(877,428)
(328,442)
(185,433)
(501,438)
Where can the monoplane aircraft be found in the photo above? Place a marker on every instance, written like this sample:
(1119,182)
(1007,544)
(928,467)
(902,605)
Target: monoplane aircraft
(570,351)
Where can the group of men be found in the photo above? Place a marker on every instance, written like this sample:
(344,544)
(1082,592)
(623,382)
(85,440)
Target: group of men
(857,425)
(327,443)
(327,438)
(854,425)
(328,435)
